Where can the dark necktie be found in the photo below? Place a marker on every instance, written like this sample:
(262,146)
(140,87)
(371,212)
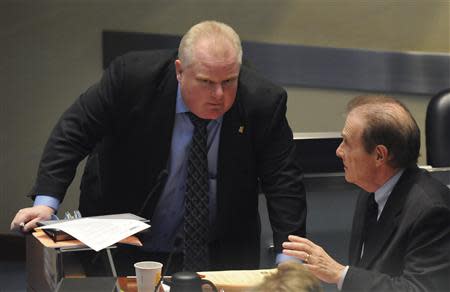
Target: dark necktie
(370,220)
(196,217)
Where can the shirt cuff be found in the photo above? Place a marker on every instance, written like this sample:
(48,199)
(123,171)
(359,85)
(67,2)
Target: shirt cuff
(342,278)
(46,200)
(281,258)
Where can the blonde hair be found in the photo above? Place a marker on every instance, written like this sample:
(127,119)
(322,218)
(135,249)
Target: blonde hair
(215,31)
(290,276)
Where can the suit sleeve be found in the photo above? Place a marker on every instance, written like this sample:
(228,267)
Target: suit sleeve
(281,178)
(427,261)
(77,132)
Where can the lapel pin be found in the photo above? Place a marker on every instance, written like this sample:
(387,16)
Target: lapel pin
(241,129)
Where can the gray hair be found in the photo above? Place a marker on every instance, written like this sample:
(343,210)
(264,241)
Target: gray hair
(214,30)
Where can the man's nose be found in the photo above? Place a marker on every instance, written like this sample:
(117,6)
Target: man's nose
(339,151)
(218,90)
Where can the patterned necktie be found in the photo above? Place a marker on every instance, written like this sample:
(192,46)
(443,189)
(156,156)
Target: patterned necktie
(196,217)
(370,220)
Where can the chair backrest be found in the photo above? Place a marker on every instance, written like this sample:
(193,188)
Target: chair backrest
(437,130)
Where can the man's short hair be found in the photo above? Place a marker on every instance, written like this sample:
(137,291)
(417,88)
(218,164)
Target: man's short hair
(388,123)
(210,29)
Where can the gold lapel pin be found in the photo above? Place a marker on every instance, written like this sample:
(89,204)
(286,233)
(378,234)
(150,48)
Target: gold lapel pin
(241,129)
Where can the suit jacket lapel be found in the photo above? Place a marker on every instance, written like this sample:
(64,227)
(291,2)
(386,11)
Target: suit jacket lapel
(388,221)
(163,117)
(159,117)
(357,228)
(231,139)
(379,237)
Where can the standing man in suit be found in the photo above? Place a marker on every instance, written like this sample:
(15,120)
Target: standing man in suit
(406,246)
(135,127)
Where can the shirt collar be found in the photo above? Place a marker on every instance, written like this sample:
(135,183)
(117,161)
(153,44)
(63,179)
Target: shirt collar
(180,105)
(382,194)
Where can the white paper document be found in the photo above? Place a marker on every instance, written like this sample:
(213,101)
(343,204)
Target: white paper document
(99,233)
(237,278)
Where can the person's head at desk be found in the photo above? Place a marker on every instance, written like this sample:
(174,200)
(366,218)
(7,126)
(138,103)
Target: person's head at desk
(290,276)
(400,235)
(379,139)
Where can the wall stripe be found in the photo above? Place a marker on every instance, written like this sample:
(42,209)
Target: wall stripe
(317,67)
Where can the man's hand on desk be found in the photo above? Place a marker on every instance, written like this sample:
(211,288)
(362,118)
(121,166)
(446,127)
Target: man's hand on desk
(315,258)
(26,219)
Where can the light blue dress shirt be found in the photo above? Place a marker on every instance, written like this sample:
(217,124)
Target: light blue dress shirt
(382,194)
(168,215)
(167,220)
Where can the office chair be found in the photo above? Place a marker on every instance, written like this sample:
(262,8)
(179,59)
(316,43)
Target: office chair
(437,130)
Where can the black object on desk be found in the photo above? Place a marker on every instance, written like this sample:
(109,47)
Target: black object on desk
(316,152)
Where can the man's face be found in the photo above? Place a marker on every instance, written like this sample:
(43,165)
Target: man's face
(209,84)
(359,166)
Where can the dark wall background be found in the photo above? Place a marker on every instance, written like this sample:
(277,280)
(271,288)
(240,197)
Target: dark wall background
(52,51)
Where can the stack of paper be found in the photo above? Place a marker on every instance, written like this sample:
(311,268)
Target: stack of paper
(99,233)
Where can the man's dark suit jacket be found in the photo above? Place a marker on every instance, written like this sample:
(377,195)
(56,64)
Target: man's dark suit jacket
(124,124)
(409,249)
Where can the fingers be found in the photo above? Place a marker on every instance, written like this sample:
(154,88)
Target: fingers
(299,244)
(21,218)
(300,248)
(16,225)
(295,253)
(294,238)
(315,258)
(306,260)
(30,225)
(27,218)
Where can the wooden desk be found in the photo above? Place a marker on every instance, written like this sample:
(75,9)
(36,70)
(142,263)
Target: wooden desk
(229,281)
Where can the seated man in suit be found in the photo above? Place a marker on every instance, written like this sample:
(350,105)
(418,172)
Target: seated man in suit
(184,138)
(401,228)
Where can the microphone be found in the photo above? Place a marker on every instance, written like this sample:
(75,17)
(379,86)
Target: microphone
(176,245)
(160,180)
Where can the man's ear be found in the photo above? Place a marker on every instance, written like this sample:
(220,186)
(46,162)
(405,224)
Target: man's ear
(382,153)
(178,69)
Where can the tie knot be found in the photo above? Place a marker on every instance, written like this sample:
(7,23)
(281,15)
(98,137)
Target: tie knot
(196,121)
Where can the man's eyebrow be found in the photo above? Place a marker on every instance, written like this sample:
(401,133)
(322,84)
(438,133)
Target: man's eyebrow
(233,77)
(205,77)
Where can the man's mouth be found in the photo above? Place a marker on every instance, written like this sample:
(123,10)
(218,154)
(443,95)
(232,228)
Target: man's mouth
(215,106)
